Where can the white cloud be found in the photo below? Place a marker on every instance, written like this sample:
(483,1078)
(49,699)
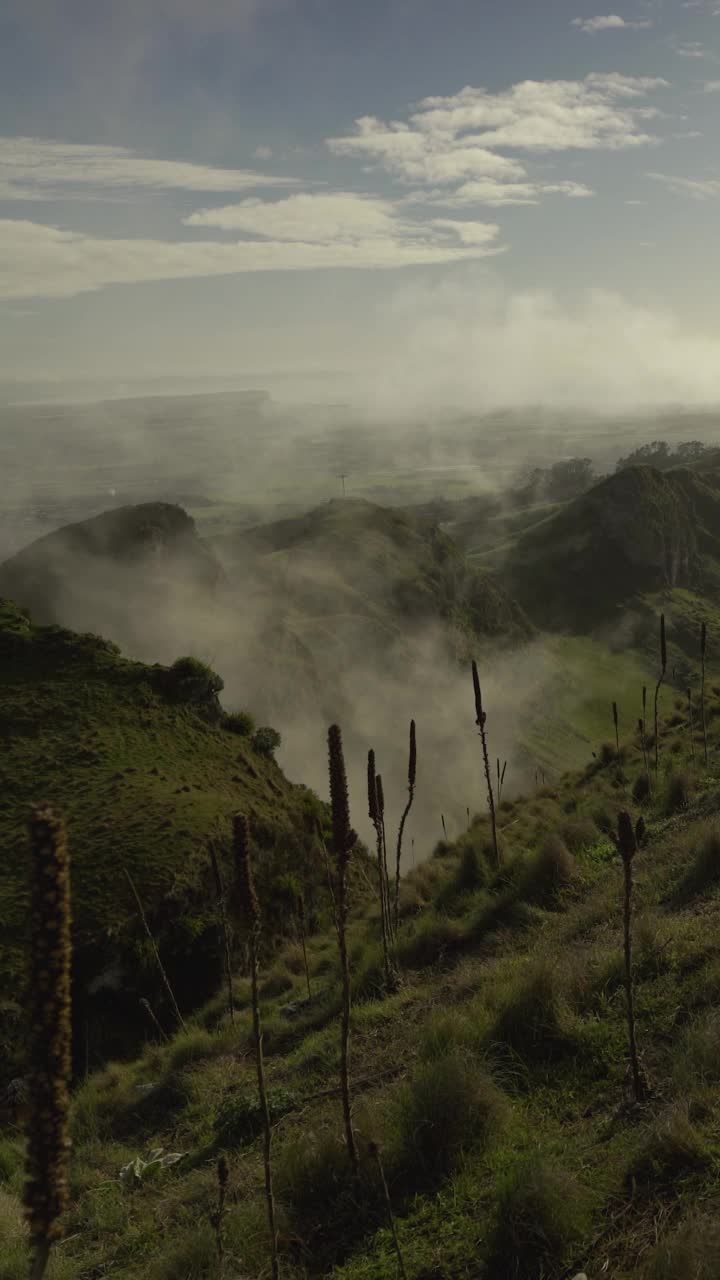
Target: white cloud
(610,22)
(697,188)
(39,169)
(498,194)
(468,232)
(322,218)
(263,153)
(43,261)
(455,139)
(711,86)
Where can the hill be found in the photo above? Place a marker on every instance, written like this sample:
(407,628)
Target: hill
(637,532)
(372,570)
(495,1082)
(146,770)
(106,574)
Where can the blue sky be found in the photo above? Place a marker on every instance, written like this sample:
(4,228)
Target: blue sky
(372,185)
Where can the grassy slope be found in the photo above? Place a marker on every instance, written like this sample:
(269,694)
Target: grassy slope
(143,782)
(512,1073)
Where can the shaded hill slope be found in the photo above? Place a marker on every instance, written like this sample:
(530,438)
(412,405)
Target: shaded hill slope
(637,532)
(145,773)
(106,573)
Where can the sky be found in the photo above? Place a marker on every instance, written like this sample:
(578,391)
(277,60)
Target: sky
(479,201)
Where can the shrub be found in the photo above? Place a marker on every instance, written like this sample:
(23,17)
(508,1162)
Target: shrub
(641,788)
(448,1105)
(692,1252)
(190,680)
(542,1212)
(705,869)
(548,872)
(266,741)
(535,1020)
(676,792)
(240,722)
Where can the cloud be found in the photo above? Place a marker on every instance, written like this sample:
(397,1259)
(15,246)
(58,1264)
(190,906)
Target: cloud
(497,194)
(697,188)
(263,153)
(321,218)
(690,49)
(610,22)
(40,169)
(455,139)
(711,86)
(43,261)
(476,345)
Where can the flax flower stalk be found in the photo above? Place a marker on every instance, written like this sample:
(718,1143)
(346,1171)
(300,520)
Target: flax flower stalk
(344,839)
(412,772)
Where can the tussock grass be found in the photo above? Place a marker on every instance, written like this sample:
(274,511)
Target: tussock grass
(704,871)
(690,1252)
(672,1151)
(535,1019)
(449,1105)
(543,1211)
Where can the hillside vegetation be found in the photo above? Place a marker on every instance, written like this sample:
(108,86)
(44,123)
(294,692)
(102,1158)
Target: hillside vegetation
(146,769)
(511,1142)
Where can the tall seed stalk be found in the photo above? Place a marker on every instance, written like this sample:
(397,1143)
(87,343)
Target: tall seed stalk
(627,844)
(156,953)
(663,668)
(151,1015)
(703,647)
(248,910)
(643,743)
(49,1035)
(301,925)
(217,1218)
(344,839)
(412,771)
(377,1157)
(500,779)
(480,721)
(691,728)
(381,812)
(617,729)
(374,814)
(227,959)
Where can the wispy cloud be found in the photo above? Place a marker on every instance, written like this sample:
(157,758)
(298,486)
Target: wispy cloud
(690,49)
(497,194)
(44,261)
(609,22)
(41,169)
(456,139)
(711,86)
(696,188)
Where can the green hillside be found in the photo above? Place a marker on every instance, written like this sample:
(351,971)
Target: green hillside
(495,1081)
(141,765)
(637,532)
(354,564)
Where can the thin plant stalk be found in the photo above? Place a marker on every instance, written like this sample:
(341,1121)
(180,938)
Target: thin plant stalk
(703,647)
(151,1015)
(643,743)
(663,669)
(156,953)
(220,895)
(377,1157)
(501,780)
(301,924)
(49,1033)
(386,876)
(249,912)
(442,819)
(412,772)
(617,729)
(480,721)
(374,814)
(344,840)
(691,729)
(467,810)
(627,847)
